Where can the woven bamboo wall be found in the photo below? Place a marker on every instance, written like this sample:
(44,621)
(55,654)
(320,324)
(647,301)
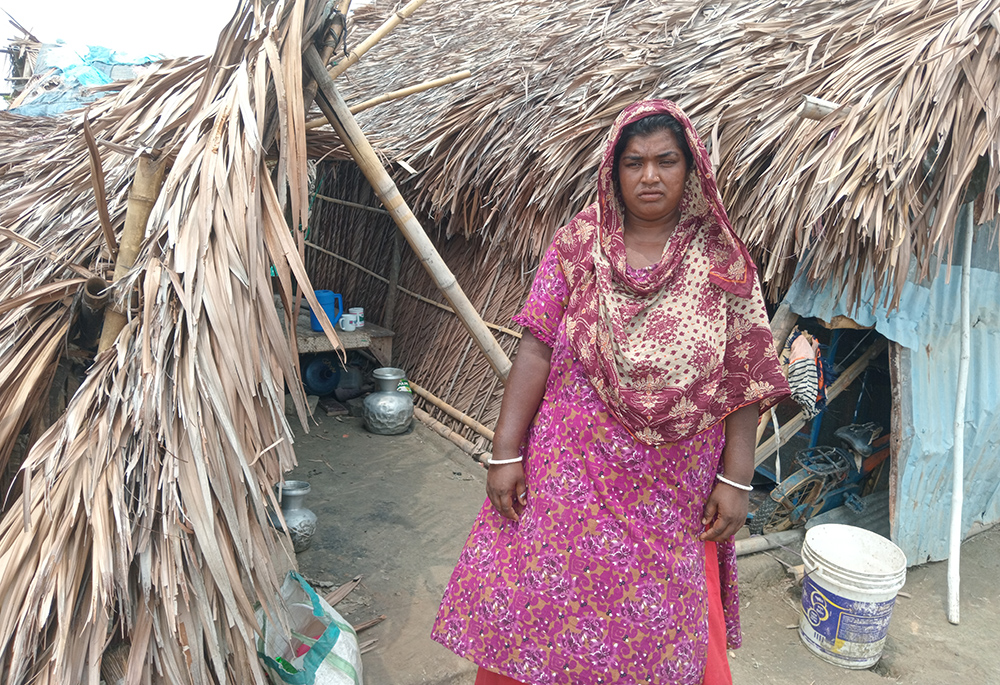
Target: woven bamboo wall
(430,344)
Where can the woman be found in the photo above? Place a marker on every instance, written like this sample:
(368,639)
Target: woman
(624,449)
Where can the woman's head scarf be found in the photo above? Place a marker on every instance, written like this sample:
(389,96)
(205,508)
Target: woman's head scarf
(674,348)
(732,269)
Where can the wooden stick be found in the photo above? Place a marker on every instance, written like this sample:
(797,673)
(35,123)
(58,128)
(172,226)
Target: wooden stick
(335,109)
(397,94)
(369,624)
(401,289)
(390,298)
(452,412)
(337,595)
(789,429)
(958,441)
(465,445)
(149,175)
(381,32)
(348,203)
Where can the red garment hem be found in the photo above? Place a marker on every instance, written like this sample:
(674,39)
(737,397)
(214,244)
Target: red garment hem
(717,663)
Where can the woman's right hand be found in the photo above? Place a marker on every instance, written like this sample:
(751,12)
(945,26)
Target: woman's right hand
(506,489)
(523,392)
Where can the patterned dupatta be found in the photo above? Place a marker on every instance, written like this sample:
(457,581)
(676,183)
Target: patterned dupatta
(672,349)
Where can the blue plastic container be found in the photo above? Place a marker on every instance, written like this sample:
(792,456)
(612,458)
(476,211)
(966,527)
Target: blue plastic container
(321,374)
(333,305)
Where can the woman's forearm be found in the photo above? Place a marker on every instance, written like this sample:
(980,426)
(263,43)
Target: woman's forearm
(741,434)
(522,395)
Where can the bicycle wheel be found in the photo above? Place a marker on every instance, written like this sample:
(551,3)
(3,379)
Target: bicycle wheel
(762,516)
(799,497)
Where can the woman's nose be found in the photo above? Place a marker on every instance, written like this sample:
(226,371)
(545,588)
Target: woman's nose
(648,172)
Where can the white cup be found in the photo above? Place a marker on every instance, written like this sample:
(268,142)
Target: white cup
(360,313)
(348,322)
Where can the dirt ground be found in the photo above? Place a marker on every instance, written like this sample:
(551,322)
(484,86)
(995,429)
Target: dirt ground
(397,509)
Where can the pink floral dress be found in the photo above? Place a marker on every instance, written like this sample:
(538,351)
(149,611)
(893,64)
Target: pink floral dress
(603,579)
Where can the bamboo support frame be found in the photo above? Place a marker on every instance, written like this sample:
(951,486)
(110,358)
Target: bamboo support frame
(149,175)
(381,32)
(396,95)
(335,109)
(958,450)
(445,432)
(452,411)
(790,428)
(416,296)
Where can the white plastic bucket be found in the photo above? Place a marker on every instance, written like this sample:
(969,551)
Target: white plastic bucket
(851,579)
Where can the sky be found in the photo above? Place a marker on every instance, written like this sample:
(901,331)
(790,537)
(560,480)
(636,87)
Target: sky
(175,28)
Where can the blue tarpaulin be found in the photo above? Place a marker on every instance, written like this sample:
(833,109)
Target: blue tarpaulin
(73,71)
(927,327)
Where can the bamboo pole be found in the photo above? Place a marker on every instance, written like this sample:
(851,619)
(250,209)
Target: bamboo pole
(381,32)
(335,109)
(958,452)
(416,296)
(795,424)
(396,95)
(91,316)
(762,543)
(782,324)
(335,32)
(445,432)
(149,175)
(452,412)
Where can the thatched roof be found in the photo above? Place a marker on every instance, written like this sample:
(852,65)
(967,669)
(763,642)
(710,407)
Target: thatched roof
(510,154)
(145,499)
(142,517)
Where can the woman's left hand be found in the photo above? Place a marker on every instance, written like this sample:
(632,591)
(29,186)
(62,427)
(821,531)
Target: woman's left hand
(726,509)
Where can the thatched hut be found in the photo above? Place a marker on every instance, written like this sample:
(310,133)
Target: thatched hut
(143,502)
(870,194)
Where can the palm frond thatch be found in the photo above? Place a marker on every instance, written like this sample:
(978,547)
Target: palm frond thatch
(143,511)
(511,154)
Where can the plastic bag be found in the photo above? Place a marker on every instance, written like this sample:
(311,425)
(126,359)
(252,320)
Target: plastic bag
(323,647)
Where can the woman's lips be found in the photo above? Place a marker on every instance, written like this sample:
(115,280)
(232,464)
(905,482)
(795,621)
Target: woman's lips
(650,195)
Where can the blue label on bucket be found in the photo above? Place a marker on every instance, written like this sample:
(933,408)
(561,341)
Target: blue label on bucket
(838,619)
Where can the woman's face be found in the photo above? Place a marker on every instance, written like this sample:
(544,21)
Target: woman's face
(651,172)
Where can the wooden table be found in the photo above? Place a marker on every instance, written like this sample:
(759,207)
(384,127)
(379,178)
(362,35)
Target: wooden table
(374,338)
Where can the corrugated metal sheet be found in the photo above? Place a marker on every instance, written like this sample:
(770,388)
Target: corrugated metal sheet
(927,324)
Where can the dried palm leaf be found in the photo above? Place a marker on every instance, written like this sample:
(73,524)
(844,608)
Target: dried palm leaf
(145,503)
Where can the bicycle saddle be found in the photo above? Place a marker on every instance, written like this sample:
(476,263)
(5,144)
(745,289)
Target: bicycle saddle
(859,436)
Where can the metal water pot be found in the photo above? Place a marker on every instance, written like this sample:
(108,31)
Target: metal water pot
(388,411)
(300,520)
